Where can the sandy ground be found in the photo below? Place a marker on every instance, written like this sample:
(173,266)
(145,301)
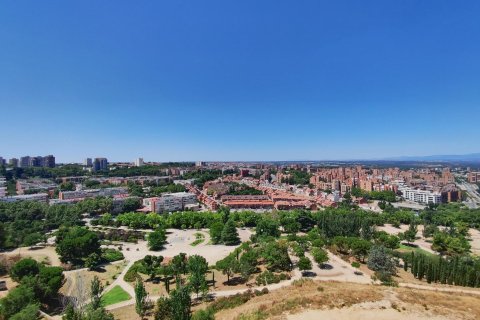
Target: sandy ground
(342,301)
(338,270)
(475,243)
(359,313)
(41,254)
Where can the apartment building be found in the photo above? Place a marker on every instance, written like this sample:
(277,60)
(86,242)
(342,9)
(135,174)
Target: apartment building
(40,197)
(3,187)
(170,202)
(421,196)
(38,161)
(474,177)
(100,164)
(92,193)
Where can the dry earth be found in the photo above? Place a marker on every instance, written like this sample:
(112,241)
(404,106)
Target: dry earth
(342,301)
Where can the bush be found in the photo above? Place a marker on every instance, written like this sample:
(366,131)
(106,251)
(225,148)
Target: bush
(132,273)
(268,277)
(111,255)
(231,301)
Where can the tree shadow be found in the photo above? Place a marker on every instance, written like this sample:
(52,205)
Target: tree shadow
(234,281)
(326,266)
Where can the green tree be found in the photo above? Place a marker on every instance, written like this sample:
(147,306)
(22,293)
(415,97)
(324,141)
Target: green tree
(30,312)
(216,229)
(93,260)
(229,234)
(320,256)
(181,303)
(23,268)
(179,264)
(33,238)
(248,263)
(197,267)
(96,289)
(75,244)
(152,265)
(304,264)
(156,239)
(17,299)
(228,265)
(360,248)
(380,261)
(276,256)
(411,234)
(267,227)
(141,298)
(163,311)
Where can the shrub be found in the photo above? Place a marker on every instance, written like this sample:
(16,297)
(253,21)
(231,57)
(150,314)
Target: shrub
(111,255)
(268,277)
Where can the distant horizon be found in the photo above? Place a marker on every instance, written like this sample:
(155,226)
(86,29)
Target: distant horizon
(242,80)
(421,158)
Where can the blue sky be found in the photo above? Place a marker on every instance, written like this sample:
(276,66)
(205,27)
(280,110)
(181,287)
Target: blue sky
(239,80)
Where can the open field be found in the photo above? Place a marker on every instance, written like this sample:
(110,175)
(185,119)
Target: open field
(333,300)
(46,254)
(117,294)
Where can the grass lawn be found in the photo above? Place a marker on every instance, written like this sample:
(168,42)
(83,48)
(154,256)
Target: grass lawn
(117,294)
(405,248)
(199,239)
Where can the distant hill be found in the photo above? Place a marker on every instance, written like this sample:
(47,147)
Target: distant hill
(456,157)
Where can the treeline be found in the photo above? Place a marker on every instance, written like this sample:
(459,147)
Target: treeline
(69,170)
(202,176)
(388,196)
(451,213)
(38,286)
(243,189)
(27,222)
(297,177)
(457,270)
(146,170)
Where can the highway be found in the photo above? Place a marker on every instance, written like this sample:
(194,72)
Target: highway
(473,200)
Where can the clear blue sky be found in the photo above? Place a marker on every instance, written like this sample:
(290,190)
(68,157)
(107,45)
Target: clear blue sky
(239,80)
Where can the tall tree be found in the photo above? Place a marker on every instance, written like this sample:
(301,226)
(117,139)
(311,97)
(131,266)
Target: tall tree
(141,298)
(229,234)
(197,267)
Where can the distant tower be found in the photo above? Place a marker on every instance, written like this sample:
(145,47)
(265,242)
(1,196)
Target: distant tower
(87,162)
(100,164)
(138,162)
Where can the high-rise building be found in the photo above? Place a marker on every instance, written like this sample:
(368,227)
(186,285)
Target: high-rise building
(38,161)
(87,162)
(199,164)
(3,188)
(13,162)
(138,162)
(100,164)
(25,161)
(2,161)
(49,161)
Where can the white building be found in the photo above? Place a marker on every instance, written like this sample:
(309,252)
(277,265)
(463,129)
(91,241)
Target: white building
(3,188)
(138,162)
(421,196)
(170,202)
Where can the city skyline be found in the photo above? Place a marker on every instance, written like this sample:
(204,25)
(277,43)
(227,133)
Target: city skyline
(239,82)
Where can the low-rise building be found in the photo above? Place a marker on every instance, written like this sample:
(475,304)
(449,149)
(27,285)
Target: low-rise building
(92,193)
(40,197)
